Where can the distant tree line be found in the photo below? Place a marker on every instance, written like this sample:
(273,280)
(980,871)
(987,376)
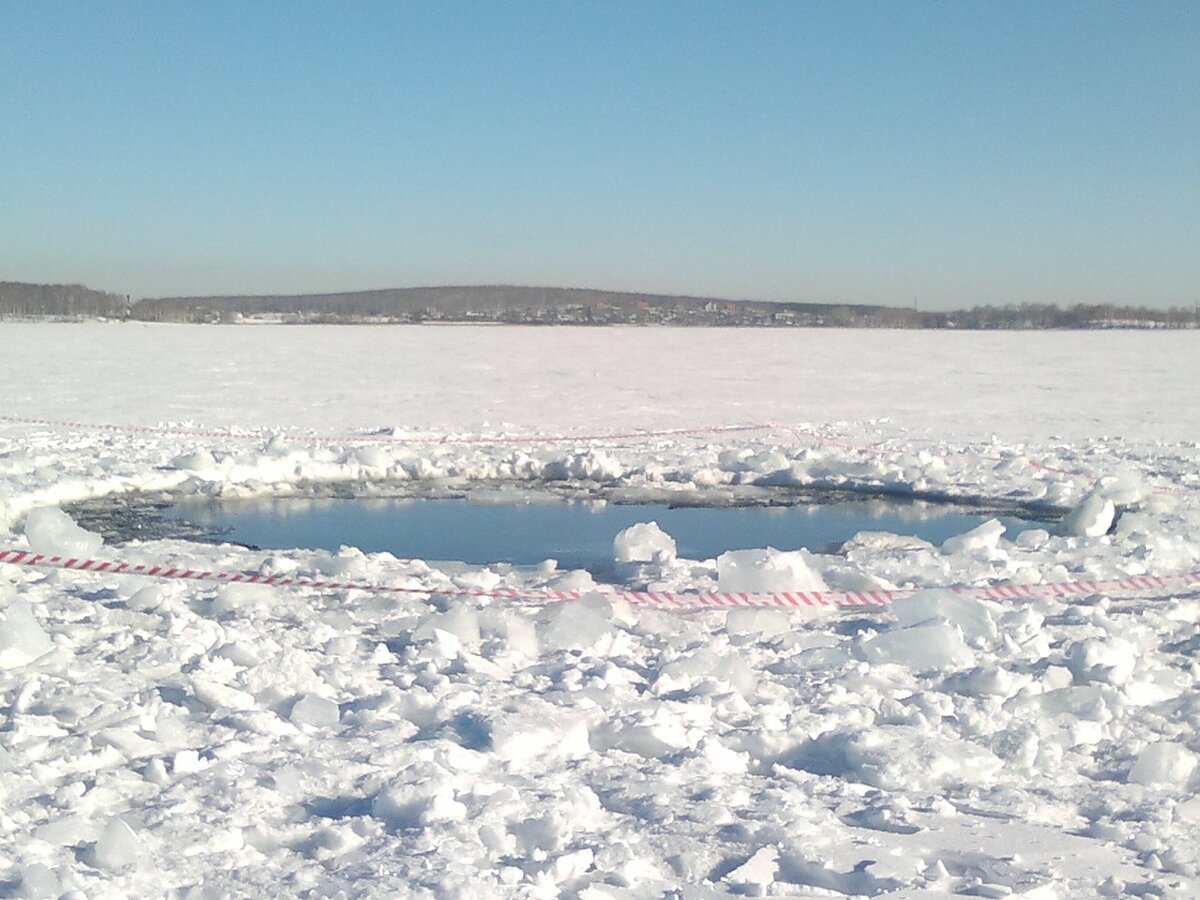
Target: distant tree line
(563,306)
(20,301)
(1082,315)
(542,306)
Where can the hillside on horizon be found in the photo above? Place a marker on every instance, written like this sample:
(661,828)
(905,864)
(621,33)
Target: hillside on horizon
(521,305)
(481,302)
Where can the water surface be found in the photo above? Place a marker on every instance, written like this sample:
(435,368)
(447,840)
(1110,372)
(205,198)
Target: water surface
(577,534)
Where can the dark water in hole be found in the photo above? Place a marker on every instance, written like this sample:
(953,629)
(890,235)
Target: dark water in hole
(578,535)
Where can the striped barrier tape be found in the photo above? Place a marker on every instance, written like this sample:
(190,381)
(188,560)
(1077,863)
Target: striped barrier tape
(387,436)
(668,599)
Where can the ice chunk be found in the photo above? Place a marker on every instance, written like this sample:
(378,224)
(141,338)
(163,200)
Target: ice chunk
(118,846)
(767,571)
(757,621)
(1091,518)
(186,762)
(443,808)
(215,695)
(898,757)
(67,830)
(241,653)
(39,881)
(417,798)
(199,461)
(147,598)
(985,537)
(576,624)
(314,711)
(571,866)
(51,531)
(988,681)
(373,457)
(1032,538)
(349,563)
(22,639)
(532,733)
(591,465)
(705,663)
(1163,763)
(643,542)
(653,738)
(514,629)
(757,872)
(1110,660)
(1126,487)
(722,759)
(577,580)
(922,648)
(461,620)
(971,616)
(243,598)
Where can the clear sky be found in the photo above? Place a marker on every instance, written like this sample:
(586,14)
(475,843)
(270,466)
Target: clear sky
(948,154)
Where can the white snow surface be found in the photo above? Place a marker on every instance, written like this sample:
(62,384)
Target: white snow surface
(192,739)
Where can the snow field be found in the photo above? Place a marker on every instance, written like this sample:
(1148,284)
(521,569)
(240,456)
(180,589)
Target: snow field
(170,738)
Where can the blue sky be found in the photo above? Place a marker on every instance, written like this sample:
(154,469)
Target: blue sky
(947,154)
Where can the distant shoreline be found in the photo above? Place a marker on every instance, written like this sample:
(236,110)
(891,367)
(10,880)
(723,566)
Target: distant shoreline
(542,306)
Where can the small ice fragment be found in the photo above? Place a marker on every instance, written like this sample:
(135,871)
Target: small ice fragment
(922,648)
(22,639)
(118,846)
(38,881)
(757,621)
(51,531)
(147,598)
(215,695)
(571,866)
(1032,538)
(578,580)
(373,457)
(187,761)
(767,571)
(1091,518)
(969,615)
(532,734)
(579,625)
(315,711)
(643,542)
(241,598)
(985,537)
(1163,763)
(156,773)
(757,872)
(199,461)
(240,653)
(460,620)
(1111,660)
(443,807)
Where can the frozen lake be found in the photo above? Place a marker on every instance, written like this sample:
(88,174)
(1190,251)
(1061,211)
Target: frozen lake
(174,737)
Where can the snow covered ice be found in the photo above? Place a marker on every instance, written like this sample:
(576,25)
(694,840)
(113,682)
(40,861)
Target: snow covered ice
(196,739)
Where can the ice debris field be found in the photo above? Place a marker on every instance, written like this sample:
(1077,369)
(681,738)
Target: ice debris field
(388,727)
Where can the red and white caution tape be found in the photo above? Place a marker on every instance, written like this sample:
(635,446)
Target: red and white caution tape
(387,437)
(669,599)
